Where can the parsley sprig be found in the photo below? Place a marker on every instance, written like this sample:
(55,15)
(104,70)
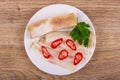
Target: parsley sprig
(81,33)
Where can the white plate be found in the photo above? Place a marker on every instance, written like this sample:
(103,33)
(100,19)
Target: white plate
(35,57)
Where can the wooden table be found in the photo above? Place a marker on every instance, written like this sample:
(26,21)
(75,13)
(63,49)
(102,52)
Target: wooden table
(14,62)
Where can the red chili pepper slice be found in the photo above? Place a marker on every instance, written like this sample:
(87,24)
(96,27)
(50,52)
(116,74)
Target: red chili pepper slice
(71,44)
(56,43)
(45,52)
(77,58)
(63,54)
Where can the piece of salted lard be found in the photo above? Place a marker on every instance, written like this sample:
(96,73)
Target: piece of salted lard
(68,62)
(52,24)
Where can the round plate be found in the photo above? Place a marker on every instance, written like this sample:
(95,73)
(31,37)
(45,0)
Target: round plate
(35,57)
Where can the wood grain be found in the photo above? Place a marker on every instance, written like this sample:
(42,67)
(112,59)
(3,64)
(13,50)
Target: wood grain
(14,62)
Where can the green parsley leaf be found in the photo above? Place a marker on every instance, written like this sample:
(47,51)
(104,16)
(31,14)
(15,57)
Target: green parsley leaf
(81,33)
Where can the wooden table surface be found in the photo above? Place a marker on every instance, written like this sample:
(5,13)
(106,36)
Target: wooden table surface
(14,62)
